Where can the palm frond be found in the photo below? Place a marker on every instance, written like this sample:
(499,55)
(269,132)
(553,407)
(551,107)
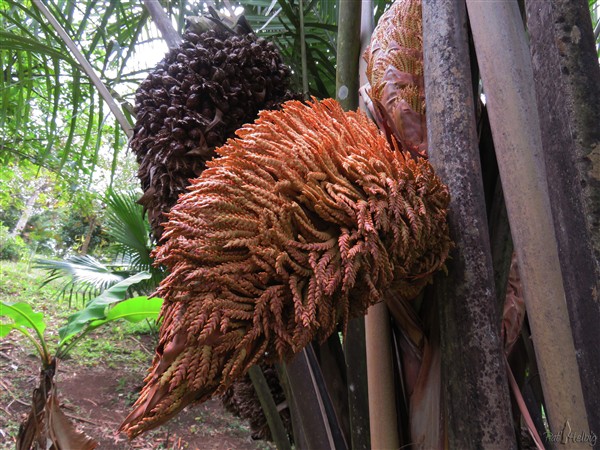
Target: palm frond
(83,276)
(127,229)
(129,233)
(45,94)
(282,22)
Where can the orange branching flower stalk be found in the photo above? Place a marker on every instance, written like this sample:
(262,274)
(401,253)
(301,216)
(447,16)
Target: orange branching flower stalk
(395,73)
(306,220)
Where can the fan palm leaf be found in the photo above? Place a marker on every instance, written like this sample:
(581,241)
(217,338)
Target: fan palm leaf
(127,229)
(86,277)
(83,276)
(129,233)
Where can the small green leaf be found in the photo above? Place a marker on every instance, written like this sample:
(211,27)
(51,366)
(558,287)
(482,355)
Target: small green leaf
(96,308)
(136,309)
(23,317)
(133,310)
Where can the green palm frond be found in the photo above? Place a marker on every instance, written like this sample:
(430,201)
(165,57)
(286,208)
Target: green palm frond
(128,230)
(129,233)
(83,276)
(50,112)
(279,21)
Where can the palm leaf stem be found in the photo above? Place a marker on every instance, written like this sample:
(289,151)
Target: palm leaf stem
(515,123)
(347,83)
(303,48)
(87,68)
(162,21)
(471,360)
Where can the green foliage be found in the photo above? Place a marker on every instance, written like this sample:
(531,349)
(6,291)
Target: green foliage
(50,111)
(12,248)
(72,229)
(95,310)
(129,249)
(135,310)
(83,276)
(22,318)
(129,232)
(280,21)
(61,213)
(53,116)
(107,308)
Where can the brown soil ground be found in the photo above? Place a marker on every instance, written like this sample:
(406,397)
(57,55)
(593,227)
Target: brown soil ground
(97,398)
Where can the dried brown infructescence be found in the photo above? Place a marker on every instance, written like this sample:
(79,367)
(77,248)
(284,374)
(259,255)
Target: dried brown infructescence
(194,100)
(395,73)
(241,399)
(304,222)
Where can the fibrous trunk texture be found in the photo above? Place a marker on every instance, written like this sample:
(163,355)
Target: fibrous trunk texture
(195,99)
(303,223)
(514,121)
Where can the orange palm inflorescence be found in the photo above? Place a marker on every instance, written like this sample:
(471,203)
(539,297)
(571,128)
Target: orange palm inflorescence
(306,219)
(395,73)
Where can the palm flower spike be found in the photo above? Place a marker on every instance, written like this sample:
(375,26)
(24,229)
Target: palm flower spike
(306,219)
(395,94)
(199,94)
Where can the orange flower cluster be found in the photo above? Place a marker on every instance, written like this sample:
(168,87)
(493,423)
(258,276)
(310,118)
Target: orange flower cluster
(395,73)
(304,222)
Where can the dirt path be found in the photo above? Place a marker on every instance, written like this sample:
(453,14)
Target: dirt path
(98,398)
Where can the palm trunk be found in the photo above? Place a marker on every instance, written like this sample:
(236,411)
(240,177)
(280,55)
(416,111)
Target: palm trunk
(270,409)
(349,41)
(500,41)
(568,93)
(88,236)
(476,386)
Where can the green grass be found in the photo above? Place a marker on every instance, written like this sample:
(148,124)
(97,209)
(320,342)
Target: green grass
(19,282)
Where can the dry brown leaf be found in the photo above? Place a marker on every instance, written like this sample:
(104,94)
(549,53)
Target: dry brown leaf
(61,431)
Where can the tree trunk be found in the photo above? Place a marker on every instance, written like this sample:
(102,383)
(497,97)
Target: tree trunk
(269,408)
(350,26)
(88,236)
(476,387)
(567,78)
(506,72)
(28,209)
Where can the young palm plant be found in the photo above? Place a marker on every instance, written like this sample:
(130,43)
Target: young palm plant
(86,277)
(109,289)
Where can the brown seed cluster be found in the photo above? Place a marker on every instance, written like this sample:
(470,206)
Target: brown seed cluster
(241,399)
(306,220)
(195,99)
(395,73)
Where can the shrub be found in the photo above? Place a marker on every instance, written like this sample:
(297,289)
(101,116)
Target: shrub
(12,248)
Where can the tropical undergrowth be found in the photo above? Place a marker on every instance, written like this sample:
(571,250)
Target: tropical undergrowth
(111,293)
